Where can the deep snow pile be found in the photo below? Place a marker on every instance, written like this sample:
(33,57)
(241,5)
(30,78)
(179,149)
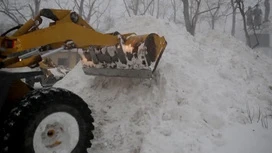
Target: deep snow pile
(198,102)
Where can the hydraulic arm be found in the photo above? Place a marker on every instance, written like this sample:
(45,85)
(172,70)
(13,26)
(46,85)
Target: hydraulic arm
(111,54)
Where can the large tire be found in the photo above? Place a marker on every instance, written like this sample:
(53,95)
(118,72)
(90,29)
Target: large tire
(48,120)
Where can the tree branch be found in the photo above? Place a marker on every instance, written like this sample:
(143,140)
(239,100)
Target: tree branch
(147,7)
(207,10)
(101,13)
(31,9)
(127,8)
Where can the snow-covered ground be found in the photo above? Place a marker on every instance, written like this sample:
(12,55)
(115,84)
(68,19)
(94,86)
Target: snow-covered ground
(210,94)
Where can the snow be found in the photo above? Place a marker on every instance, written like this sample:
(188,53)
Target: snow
(210,94)
(58,72)
(253,138)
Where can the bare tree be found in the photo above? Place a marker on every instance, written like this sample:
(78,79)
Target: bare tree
(234,8)
(241,7)
(214,12)
(63,4)
(13,10)
(191,12)
(231,9)
(152,9)
(108,22)
(35,7)
(158,9)
(174,6)
(191,18)
(146,6)
(140,7)
(80,6)
(100,12)
(90,5)
(134,6)
(127,9)
(17,10)
(164,8)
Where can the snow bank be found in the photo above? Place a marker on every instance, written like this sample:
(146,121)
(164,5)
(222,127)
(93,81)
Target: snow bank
(198,101)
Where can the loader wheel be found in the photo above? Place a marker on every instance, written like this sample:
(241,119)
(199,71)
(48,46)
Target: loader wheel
(48,120)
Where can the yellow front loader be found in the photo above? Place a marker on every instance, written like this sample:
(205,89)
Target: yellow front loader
(54,119)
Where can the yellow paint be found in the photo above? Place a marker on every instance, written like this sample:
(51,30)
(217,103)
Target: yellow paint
(29,36)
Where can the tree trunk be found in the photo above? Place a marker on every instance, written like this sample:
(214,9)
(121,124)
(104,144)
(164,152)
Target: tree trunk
(35,11)
(81,7)
(127,8)
(242,11)
(136,7)
(90,13)
(37,6)
(153,9)
(246,33)
(233,27)
(187,20)
(195,17)
(213,22)
(173,2)
(158,9)
(146,8)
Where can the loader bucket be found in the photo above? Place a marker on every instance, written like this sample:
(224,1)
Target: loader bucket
(135,56)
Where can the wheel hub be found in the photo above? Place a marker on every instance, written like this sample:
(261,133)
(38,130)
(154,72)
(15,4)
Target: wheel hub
(57,133)
(53,135)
